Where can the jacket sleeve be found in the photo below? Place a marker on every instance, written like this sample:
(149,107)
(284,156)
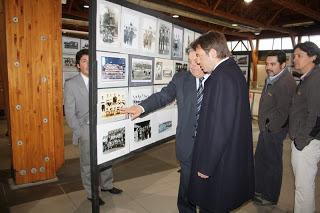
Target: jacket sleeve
(70,111)
(162,98)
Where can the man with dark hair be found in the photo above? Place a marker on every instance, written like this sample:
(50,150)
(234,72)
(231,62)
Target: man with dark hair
(273,122)
(304,126)
(222,176)
(76,106)
(183,87)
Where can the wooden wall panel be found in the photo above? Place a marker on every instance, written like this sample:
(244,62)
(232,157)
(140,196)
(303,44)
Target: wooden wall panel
(3,60)
(34,77)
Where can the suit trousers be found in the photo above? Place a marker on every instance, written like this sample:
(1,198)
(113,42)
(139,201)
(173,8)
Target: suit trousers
(305,167)
(268,164)
(106,176)
(184,205)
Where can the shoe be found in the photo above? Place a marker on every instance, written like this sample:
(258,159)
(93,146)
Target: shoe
(114,190)
(101,202)
(262,202)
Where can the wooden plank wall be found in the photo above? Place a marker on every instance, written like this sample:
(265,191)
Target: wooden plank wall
(3,59)
(33,31)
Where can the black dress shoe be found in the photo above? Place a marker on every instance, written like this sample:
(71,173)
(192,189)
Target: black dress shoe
(101,202)
(114,190)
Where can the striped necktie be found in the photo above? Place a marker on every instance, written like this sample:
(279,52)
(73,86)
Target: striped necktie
(199,98)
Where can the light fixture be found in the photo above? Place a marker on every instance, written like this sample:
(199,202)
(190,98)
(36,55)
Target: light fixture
(234,25)
(257,33)
(247,1)
(175,16)
(86,6)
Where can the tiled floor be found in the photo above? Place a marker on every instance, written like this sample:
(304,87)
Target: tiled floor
(149,180)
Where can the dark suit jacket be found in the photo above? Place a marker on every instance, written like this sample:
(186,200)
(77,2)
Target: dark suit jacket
(183,88)
(223,147)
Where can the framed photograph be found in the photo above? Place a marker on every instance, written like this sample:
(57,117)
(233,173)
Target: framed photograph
(177,43)
(112,70)
(148,32)
(180,66)
(70,45)
(188,37)
(112,141)
(84,44)
(138,94)
(69,63)
(141,70)
(108,33)
(164,39)
(142,132)
(130,28)
(110,101)
(164,124)
(244,71)
(163,71)
(242,60)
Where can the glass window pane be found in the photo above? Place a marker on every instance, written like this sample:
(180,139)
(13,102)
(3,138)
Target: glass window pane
(265,44)
(304,39)
(315,39)
(277,44)
(286,43)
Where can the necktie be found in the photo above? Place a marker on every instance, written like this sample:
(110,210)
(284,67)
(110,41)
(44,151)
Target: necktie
(199,99)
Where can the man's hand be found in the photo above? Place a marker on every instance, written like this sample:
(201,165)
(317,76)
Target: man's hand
(134,111)
(202,176)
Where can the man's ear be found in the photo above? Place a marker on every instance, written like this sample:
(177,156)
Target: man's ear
(213,53)
(78,66)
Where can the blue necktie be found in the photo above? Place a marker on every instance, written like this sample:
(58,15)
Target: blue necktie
(199,100)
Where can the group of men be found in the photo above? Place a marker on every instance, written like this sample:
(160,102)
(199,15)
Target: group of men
(214,134)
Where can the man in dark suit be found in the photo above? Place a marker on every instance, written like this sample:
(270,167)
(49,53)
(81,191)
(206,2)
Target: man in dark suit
(76,106)
(183,87)
(222,175)
(273,125)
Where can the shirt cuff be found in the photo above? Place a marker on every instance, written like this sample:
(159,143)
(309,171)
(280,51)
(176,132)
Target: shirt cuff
(141,108)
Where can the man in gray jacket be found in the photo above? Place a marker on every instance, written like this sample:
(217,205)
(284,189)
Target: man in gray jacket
(304,126)
(183,88)
(76,107)
(273,124)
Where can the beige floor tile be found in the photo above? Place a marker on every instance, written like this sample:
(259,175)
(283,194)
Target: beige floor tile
(114,203)
(60,204)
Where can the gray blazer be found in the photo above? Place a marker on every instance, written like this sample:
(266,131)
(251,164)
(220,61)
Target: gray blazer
(76,105)
(275,103)
(183,88)
(304,125)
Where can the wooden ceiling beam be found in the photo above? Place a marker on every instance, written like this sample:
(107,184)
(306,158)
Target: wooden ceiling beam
(275,15)
(299,8)
(70,6)
(216,5)
(231,17)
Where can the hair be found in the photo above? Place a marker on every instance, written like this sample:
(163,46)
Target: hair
(311,49)
(80,54)
(213,40)
(281,55)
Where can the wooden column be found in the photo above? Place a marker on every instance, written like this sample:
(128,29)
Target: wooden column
(34,82)
(254,56)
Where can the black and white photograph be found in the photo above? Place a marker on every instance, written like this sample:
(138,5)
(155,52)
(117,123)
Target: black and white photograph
(244,70)
(148,34)
(142,131)
(84,44)
(164,38)
(163,71)
(164,123)
(180,66)
(141,70)
(112,69)
(138,94)
(70,45)
(112,141)
(69,63)
(177,43)
(242,60)
(188,37)
(110,101)
(108,26)
(130,28)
